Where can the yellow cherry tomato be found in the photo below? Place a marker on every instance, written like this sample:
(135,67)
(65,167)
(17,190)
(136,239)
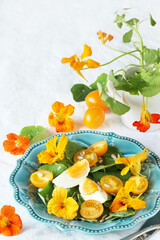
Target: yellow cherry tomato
(93,99)
(142,184)
(111,184)
(40,178)
(87,154)
(94,117)
(91,209)
(100,148)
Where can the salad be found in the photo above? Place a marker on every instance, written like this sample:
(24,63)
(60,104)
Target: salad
(93,184)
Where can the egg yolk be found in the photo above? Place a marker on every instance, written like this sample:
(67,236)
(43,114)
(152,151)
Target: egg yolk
(89,187)
(79,169)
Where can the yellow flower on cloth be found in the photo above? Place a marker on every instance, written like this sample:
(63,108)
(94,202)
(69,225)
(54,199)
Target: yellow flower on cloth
(133,163)
(123,200)
(77,63)
(54,152)
(60,118)
(61,206)
(104,37)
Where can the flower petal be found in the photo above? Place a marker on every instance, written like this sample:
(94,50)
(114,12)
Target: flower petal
(9,145)
(62,144)
(7,211)
(142,156)
(136,203)
(16,220)
(57,106)
(45,157)
(69,60)
(59,194)
(68,110)
(77,66)
(51,119)
(11,230)
(92,64)
(66,126)
(125,171)
(141,126)
(87,51)
(71,208)
(155,118)
(12,136)
(51,145)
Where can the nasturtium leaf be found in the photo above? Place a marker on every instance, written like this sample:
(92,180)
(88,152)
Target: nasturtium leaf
(101,79)
(31,131)
(46,192)
(132,21)
(127,36)
(41,136)
(71,149)
(153,83)
(115,106)
(120,24)
(80,91)
(150,55)
(152,21)
(112,78)
(55,168)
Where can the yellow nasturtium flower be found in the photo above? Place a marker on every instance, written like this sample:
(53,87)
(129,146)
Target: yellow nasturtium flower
(104,37)
(61,206)
(77,63)
(133,163)
(54,152)
(123,200)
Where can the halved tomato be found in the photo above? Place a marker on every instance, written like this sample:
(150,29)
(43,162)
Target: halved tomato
(88,154)
(91,209)
(141,182)
(111,184)
(100,148)
(40,178)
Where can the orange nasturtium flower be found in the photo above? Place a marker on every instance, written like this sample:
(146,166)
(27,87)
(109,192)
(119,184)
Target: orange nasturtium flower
(15,144)
(61,206)
(10,222)
(133,163)
(60,118)
(54,152)
(146,118)
(104,37)
(123,200)
(77,63)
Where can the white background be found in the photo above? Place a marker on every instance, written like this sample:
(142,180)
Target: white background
(34,36)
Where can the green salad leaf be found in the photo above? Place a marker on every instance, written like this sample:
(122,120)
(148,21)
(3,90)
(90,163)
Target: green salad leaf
(71,149)
(46,192)
(117,215)
(55,168)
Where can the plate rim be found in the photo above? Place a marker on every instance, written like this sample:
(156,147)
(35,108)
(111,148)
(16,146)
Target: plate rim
(67,227)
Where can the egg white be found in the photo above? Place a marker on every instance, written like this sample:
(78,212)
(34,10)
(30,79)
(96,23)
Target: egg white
(100,195)
(66,181)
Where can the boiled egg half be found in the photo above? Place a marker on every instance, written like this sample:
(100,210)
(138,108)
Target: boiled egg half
(90,190)
(73,175)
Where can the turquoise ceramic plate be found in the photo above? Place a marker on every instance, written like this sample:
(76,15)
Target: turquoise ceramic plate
(26,194)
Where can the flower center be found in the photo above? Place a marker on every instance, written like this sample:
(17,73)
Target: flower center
(18,143)
(5,222)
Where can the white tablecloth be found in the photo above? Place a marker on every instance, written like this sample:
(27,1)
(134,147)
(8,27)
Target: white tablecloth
(34,36)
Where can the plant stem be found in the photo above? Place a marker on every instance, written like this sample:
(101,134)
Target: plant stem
(121,51)
(141,47)
(114,59)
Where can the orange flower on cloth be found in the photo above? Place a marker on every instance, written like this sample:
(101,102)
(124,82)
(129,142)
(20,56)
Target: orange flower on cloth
(146,118)
(104,37)
(77,63)
(123,200)
(60,119)
(15,144)
(10,222)
(54,152)
(133,163)
(61,206)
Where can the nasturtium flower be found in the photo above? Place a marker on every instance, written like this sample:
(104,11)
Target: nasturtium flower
(60,119)
(133,163)
(15,144)
(77,63)
(104,37)
(54,151)
(61,206)
(146,118)
(10,222)
(123,199)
